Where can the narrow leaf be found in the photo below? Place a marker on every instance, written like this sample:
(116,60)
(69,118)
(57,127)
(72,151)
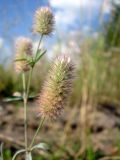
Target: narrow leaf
(13,99)
(20,59)
(39,55)
(38,52)
(18,152)
(42,146)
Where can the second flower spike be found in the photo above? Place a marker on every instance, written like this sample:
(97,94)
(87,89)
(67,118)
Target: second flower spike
(57,87)
(23,49)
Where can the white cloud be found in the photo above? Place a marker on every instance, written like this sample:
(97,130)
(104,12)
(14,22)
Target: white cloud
(74,3)
(65,17)
(68,12)
(106,6)
(79,12)
(65,3)
(1,42)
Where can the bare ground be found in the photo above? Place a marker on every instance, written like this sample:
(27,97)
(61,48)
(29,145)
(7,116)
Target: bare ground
(104,127)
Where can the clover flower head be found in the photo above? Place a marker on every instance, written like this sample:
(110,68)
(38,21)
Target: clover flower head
(43,21)
(57,87)
(23,48)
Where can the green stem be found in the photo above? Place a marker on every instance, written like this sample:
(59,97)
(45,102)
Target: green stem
(37,131)
(25,109)
(29,82)
(38,45)
(26,89)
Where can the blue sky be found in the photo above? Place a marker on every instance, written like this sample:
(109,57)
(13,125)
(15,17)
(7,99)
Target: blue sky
(16,18)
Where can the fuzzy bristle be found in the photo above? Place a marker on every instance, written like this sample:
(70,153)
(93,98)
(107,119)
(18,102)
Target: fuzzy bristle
(57,87)
(43,21)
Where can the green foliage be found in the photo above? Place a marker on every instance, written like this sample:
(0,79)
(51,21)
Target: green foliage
(7,154)
(10,82)
(6,82)
(113,28)
(42,146)
(90,153)
(98,74)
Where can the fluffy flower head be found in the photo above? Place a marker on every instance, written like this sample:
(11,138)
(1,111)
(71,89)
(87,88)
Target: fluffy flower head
(43,21)
(23,48)
(57,87)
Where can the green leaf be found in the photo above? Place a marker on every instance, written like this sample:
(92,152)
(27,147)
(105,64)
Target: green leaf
(20,98)
(39,55)
(38,52)
(20,59)
(42,146)
(28,156)
(30,60)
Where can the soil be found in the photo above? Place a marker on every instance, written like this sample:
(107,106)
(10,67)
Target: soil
(104,126)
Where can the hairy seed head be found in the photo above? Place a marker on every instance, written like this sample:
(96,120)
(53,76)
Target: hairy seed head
(23,48)
(57,88)
(43,21)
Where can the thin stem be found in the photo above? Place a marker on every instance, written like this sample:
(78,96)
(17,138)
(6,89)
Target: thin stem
(29,82)
(26,89)
(24,84)
(37,131)
(25,109)
(39,45)
(25,98)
